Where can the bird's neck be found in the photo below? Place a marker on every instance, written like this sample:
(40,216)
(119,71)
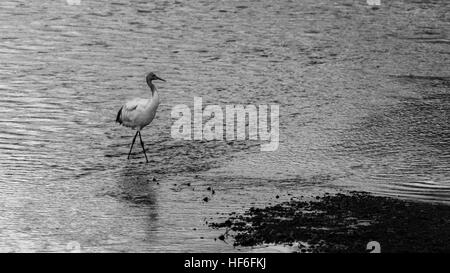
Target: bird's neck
(153,88)
(155,98)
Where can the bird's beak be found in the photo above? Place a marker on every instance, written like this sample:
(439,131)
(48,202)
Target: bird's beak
(158,78)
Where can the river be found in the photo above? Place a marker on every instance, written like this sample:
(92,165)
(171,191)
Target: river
(364,105)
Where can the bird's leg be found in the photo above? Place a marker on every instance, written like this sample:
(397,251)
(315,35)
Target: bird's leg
(142,144)
(132,144)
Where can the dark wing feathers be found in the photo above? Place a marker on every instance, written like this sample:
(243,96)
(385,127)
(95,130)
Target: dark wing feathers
(119,116)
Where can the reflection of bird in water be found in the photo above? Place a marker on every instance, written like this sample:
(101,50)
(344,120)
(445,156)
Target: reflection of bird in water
(134,185)
(138,113)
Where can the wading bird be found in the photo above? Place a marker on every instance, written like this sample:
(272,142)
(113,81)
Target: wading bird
(138,113)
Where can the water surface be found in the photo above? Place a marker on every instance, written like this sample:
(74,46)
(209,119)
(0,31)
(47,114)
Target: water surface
(363,95)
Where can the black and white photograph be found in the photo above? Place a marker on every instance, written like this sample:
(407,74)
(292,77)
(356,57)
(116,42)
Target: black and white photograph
(225,127)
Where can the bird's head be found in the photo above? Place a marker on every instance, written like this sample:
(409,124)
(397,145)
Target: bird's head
(151,77)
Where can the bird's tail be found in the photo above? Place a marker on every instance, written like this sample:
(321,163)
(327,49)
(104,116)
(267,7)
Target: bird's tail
(119,116)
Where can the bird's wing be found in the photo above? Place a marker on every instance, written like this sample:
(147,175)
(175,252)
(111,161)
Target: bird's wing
(131,110)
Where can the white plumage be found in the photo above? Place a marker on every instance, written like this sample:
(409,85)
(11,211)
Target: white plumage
(138,113)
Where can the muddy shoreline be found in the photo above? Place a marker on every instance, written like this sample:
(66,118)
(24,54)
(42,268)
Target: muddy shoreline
(345,223)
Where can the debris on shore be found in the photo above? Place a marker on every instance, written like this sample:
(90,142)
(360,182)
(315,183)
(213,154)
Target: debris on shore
(345,223)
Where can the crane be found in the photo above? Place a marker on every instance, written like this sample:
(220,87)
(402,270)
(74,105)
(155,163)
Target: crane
(138,113)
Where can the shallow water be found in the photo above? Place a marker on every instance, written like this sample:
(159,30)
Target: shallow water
(363,95)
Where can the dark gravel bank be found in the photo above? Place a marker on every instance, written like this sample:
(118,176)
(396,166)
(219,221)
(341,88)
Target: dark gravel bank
(345,223)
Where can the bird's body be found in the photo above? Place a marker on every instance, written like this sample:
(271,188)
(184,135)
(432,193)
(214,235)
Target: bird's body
(138,113)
